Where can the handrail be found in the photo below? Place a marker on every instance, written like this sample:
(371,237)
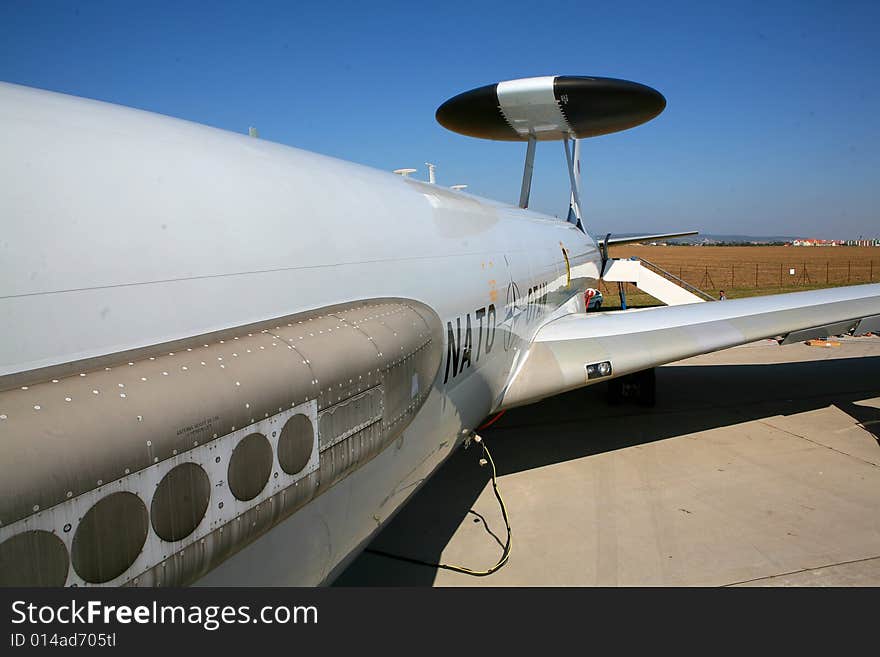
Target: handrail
(693,289)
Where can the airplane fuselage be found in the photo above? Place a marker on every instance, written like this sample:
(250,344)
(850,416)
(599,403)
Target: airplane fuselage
(131,237)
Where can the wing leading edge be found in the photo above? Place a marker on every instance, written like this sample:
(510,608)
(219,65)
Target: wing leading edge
(632,239)
(558,357)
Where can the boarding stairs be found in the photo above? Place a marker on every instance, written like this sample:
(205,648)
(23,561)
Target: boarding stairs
(651,279)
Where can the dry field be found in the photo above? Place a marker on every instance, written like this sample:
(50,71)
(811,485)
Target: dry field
(751,270)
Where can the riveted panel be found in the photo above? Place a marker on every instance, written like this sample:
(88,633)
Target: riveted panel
(344,456)
(336,352)
(228,522)
(108,444)
(347,418)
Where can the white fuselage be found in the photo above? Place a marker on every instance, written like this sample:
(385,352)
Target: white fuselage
(124,229)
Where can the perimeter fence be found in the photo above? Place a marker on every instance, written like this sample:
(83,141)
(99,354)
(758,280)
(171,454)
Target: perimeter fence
(762,275)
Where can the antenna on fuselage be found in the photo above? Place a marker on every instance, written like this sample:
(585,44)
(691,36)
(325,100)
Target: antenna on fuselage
(552,108)
(458,188)
(431,177)
(404,172)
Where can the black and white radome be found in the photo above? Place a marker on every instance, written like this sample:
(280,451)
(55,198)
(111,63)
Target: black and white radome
(551,108)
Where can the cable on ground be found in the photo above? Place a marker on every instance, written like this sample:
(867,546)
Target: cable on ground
(505,554)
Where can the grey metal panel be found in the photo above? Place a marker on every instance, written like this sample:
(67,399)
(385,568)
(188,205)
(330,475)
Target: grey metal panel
(341,359)
(347,418)
(344,456)
(837,328)
(72,443)
(868,325)
(402,387)
(96,426)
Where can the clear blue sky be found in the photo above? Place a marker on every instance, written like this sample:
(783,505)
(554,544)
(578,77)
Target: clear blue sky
(771,125)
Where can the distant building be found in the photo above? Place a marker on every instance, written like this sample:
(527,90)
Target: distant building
(861,242)
(817,242)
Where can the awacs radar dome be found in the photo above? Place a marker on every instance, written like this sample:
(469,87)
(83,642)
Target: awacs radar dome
(550,108)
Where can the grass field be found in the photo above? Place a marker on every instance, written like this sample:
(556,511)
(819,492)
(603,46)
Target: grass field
(744,271)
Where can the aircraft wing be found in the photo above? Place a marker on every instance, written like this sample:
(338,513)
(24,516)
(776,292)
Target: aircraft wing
(566,353)
(632,239)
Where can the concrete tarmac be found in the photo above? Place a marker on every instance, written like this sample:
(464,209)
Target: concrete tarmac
(759,466)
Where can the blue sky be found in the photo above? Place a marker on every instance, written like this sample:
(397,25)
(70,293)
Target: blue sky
(771,124)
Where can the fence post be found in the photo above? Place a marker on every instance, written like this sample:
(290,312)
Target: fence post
(848,271)
(826,272)
(756,275)
(780,275)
